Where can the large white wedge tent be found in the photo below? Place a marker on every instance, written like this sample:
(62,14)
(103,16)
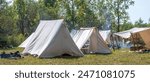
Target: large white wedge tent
(90,40)
(26,42)
(52,39)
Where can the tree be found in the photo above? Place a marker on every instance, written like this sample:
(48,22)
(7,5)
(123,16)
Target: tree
(126,26)
(78,13)
(20,8)
(69,12)
(3,6)
(23,16)
(6,18)
(7,22)
(111,13)
(103,9)
(48,9)
(119,8)
(50,3)
(31,16)
(85,17)
(149,22)
(27,16)
(140,23)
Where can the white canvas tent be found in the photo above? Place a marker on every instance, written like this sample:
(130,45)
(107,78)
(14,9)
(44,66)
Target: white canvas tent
(90,37)
(51,39)
(105,35)
(143,32)
(127,34)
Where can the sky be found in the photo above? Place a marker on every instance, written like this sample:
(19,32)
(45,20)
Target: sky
(141,9)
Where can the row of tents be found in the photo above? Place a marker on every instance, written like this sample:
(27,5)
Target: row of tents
(52,38)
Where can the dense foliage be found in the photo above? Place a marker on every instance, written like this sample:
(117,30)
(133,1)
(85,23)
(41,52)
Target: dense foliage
(19,18)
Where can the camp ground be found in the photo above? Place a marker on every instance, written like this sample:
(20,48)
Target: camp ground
(83,49)
(74,32)
(52,39)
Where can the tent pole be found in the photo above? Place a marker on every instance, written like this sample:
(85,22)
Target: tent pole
(133,41)
(116,39)
(112,41)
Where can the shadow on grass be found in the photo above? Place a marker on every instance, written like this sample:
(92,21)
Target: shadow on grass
(64,56)
(67,56)
(98,54)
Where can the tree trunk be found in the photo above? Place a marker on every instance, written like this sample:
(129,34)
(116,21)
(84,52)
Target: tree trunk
(118,17)
(118,25)
(22,28)
(73,15)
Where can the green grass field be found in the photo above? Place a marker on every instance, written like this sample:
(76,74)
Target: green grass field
(118,57)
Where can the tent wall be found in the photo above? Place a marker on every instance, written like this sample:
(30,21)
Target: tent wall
(81,37)
(73,32)
(106,35)
(62,43)
(35,38)
(27,41)
(37,42)
(97,44)
(146,37)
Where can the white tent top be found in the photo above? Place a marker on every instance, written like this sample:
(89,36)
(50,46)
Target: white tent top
(51,39)
(97,44)
(126,34)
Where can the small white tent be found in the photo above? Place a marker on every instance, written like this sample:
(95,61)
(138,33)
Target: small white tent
(91,40)
(51,39)
(106,35)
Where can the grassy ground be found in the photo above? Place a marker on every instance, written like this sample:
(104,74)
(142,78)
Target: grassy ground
(118,57)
